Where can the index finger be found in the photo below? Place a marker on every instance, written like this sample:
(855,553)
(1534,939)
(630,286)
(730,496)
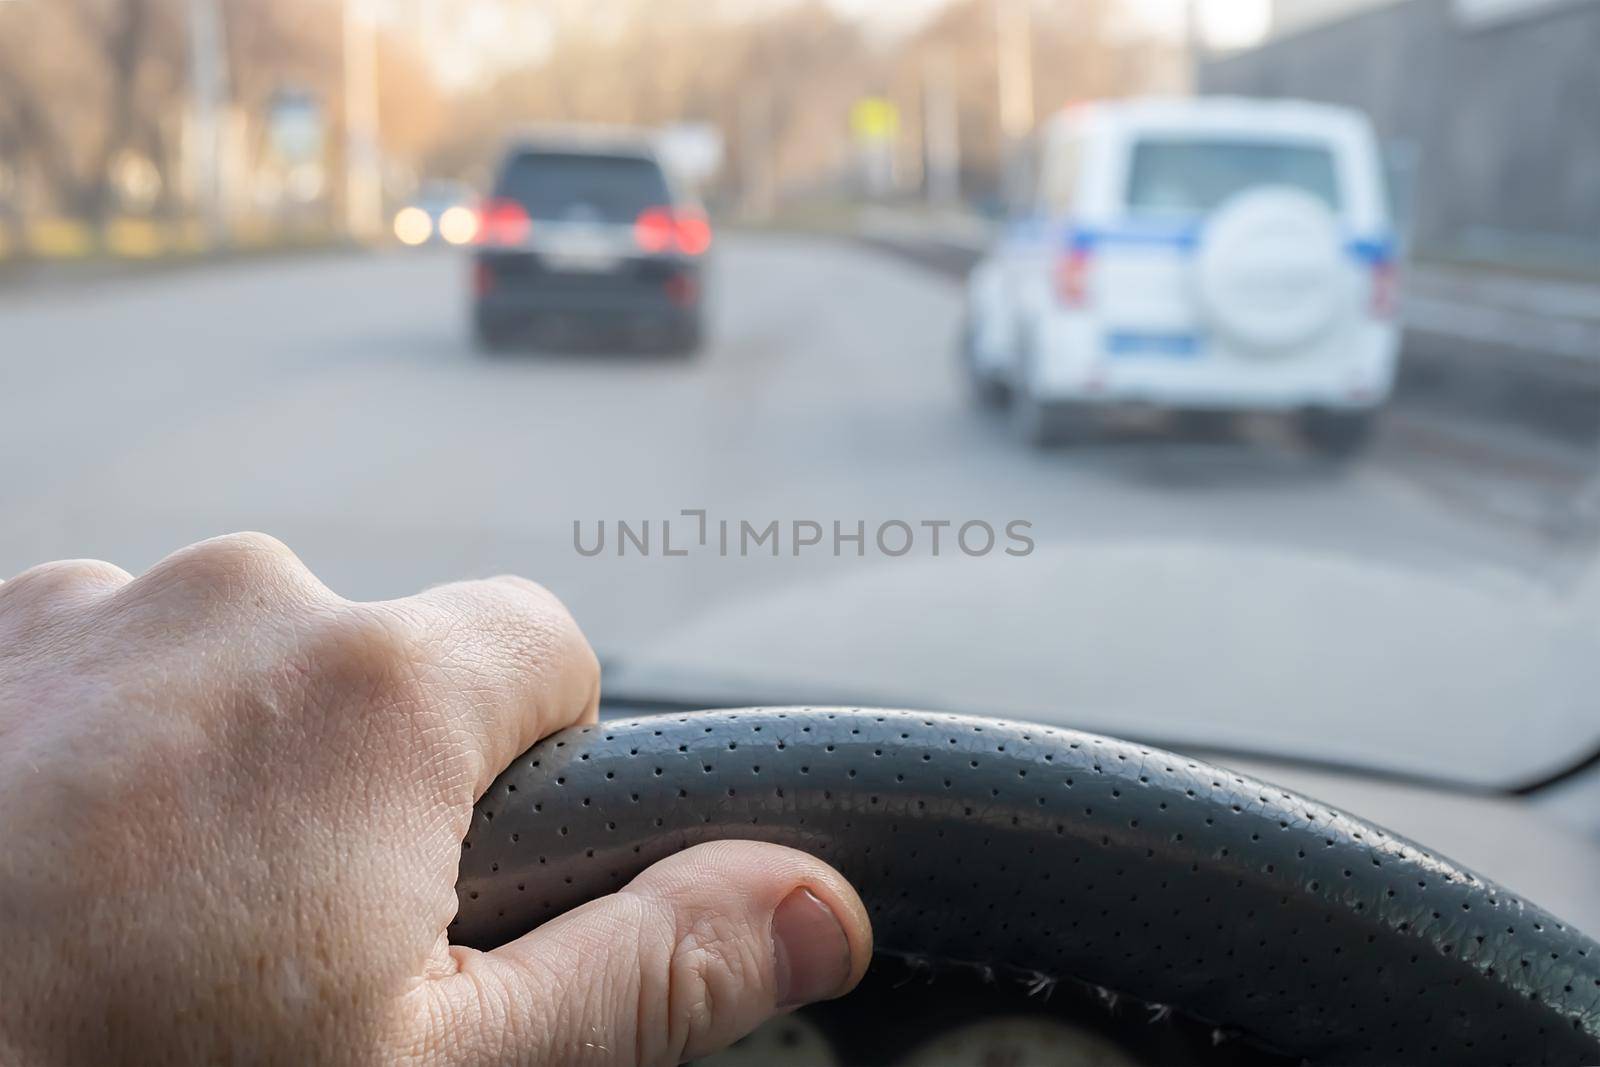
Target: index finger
(512,664)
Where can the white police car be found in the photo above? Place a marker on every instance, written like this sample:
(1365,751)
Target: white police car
(1216,254)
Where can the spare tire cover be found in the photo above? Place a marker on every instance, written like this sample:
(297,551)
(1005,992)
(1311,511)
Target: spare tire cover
(1272,275)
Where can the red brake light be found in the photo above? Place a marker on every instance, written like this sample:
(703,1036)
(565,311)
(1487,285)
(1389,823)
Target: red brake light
(503,222)
(659,229)
(1072,278)
(653,229)
(1385,290)
(694,233)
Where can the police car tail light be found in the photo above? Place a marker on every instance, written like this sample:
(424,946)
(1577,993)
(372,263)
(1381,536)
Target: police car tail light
(1072,278)
(1385,299)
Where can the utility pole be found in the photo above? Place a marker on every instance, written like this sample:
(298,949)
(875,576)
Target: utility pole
(756,179)
(207,86)
(941,133)
(1193,44)
(363,162)
(1014,42)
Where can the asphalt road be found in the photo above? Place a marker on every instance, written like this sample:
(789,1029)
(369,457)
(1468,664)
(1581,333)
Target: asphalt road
(337,403)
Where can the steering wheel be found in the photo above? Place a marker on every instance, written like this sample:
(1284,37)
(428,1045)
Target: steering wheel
(1060,854)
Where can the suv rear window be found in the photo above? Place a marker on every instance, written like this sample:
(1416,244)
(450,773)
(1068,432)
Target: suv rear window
(1187,178)
(587,186)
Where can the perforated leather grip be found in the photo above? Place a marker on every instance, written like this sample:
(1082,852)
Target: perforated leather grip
(1065,854)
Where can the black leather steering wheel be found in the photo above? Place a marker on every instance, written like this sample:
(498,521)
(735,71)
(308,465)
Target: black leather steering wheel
(1060,854)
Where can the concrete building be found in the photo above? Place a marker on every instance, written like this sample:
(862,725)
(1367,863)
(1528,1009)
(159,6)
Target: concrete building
(1292,16)
(1491,106)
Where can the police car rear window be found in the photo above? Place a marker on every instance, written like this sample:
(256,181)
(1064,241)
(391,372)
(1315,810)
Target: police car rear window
(1189,178)
(583,186)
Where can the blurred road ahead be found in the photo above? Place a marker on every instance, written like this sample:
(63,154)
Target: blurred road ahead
(337,403)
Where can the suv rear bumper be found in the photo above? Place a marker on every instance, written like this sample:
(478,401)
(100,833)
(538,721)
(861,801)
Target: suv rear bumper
(515,291)
(1073,358)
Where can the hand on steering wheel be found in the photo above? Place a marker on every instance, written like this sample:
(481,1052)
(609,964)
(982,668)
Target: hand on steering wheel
(232,808)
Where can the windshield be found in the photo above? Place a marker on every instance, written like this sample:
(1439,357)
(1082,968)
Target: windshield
(912,406)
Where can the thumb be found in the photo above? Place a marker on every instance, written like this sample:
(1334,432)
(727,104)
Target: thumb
(695,953)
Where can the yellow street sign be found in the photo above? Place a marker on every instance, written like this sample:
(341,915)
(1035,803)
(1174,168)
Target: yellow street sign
(873,118)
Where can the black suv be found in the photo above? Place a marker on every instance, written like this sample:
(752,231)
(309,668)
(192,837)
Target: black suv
(585,238)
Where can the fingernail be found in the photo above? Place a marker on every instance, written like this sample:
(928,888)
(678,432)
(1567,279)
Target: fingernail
(812,951)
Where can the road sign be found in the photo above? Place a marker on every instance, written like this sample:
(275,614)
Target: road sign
(295,127)
(874,119)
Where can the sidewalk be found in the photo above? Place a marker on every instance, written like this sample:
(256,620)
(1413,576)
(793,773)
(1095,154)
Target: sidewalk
(50,248)
(22,276)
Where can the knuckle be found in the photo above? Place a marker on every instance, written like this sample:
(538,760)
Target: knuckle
(470,1018)
(63,580)
(585,656)
(528,597)
(714,971)
(559,638)
(232,567)
(515,615)
(530,606)
(527,587)
(555,633)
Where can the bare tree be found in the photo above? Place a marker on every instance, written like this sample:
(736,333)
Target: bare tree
(73,110)
(798,69)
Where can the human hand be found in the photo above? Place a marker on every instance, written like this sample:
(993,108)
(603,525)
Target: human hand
(231,814)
